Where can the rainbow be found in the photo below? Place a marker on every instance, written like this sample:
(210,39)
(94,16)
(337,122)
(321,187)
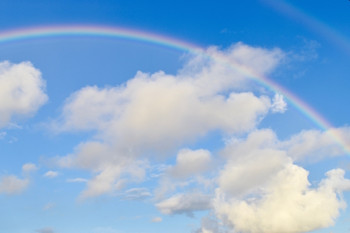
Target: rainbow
(116,32)
(312,23)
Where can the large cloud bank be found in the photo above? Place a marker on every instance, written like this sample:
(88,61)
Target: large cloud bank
(252,184)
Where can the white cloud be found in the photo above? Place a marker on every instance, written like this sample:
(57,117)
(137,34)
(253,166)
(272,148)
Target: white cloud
(317,144)
(210,224)
(51,174)
(11,184)
(255,159)
(104,182)
(191,162)
(279,104)
(156,113)
(286,204)
(29,167)
(77,180)
(21,91)
(185,203)
(256,168)
(157,219)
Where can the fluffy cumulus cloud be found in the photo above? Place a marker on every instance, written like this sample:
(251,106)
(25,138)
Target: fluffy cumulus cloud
(286,204)
(254,183)
(191,162)
(154,114)
(22,91)
(254,158)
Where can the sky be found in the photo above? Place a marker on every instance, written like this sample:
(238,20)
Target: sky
(186,116)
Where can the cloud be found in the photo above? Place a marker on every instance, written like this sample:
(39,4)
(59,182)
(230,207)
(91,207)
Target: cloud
(209,224)
(22,91)
(11,185)
(77,180)
(157,219)
(279,104)
(317,144)
(45,230)
(137,194)
(191,162)
(152,115)
(29,167)
(51,174)
(104,182)
(256,159)
(286,204)
(184,203)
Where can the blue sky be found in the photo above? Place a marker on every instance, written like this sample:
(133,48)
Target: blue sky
(112,135)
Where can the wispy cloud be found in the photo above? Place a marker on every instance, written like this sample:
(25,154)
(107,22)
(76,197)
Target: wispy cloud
(51,174)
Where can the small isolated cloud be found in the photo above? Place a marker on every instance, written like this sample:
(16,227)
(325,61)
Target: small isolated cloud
(157,219)
(22,91)
(45,230)
(278,104)
(77,180)
(29,167)
(191,162)
(185,203)
(11,185)
(51,174)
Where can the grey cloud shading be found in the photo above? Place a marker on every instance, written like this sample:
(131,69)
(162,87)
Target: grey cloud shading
(185,203)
